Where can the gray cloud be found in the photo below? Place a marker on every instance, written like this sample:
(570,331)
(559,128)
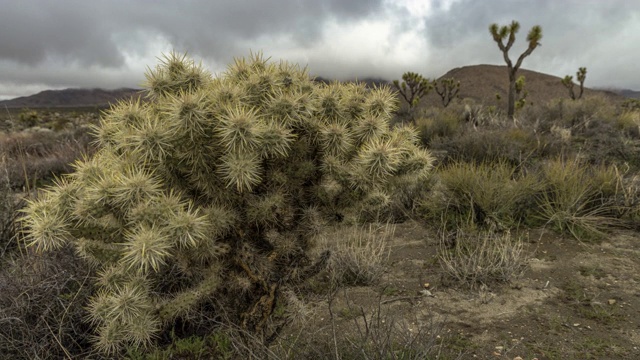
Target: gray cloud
(108,43)
(85,31)
(591,33)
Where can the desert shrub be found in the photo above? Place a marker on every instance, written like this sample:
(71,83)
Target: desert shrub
(441,124)
(629,123)
(360,253)
(10,204)
(359,331)
(34,156)
(217,345)
(631,105)
(579,114)
(480,195)
(203,199)
(482,258)
(513,145)
(580,199)
(600,130)
(28,118)
(629,200)
(42,306)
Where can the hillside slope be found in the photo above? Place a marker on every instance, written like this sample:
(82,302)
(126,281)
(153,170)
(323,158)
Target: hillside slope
(70,98)
(482,82)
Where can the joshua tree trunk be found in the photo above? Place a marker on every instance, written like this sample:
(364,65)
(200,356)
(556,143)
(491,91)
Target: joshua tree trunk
(511,106)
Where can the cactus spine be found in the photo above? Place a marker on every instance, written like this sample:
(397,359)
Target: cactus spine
(207,194)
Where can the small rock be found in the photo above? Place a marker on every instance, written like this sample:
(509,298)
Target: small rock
(426,292)
(426,285)
(576,324)
(499,348)
(517,358)
(611,301)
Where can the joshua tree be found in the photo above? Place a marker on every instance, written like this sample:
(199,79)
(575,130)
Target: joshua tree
(509,32)
(413,88)
(205,198)
(449,89)
(581,75)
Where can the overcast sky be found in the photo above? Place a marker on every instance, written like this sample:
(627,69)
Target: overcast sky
(54,44)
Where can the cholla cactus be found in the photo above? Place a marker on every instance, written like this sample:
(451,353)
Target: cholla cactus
(208,194)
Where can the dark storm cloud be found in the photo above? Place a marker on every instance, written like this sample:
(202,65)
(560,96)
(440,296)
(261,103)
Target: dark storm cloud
(95,32)
(108,43)
(32,32)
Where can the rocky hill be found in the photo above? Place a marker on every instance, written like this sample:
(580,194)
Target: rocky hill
(482,82)
(70,98)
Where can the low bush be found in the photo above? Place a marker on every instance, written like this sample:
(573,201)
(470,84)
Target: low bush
(482,258)
(580,199)
(7,211)
(359,253)
(513,145)
(42,302)
(579,114)
(34,156)
(480,195)
(438,124)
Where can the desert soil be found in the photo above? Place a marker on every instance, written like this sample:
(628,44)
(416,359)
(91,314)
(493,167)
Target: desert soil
(575,300)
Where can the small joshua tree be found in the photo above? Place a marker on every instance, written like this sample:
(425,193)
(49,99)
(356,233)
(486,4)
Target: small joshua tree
(581,75)
(206,197)
(509,33)
(413,88)
(448,89)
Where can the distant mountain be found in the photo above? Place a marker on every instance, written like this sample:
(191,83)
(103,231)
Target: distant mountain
(478,82)
(483,82)
(632,94)
(71,98)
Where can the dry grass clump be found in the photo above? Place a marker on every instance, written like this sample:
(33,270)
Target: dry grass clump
(376,334)
(629,122)
(31,156)
(8,211)
(482,258)
(580,113)
(480,195)
(514,145)
(581,199)
(438,124)
(359,253)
